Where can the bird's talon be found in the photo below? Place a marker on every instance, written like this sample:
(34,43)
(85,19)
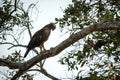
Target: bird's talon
(40,37)
(51,49)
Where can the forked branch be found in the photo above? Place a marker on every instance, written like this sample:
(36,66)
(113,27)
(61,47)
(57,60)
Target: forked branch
(63,45)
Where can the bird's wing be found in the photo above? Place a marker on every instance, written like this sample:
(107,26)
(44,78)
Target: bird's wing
(46,33)
(35,40)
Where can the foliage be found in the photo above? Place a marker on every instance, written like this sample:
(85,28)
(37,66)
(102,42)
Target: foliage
(13,16)
(103,63)
(81,14)
(16,57)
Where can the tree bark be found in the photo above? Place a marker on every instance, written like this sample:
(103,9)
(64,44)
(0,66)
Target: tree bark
(63,45)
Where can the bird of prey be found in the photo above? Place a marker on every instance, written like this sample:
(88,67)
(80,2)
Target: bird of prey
(40,37)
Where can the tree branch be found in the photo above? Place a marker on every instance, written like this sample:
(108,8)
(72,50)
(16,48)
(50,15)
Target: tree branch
(15,7)
(63,45)
(13,45)
(18,45)
(11,65)
(47,74)
(43,71)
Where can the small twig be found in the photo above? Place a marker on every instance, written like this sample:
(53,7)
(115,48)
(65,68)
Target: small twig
(13,38)
(43,62)
(31,6)
(19,45)
(35,51)
(15,7)
(6,43)
(43,71)
(13,45)
(34,70)
(28,27)
(56,50)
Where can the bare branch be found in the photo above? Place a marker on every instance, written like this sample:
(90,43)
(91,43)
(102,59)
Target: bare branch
(42,63)
(47,74)
(63,45)
(13,38)
(19,45)
(43,71)
(13,45)
(31,6)
(6,43)
(28,27)
(15,7)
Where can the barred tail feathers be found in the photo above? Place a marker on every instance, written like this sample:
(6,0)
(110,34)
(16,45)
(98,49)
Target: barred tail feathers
(26,53)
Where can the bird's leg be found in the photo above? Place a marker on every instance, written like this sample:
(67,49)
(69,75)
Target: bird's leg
(41,48)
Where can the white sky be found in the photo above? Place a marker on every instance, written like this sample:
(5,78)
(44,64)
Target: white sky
(48,11)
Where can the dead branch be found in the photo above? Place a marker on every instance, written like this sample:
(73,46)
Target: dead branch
(43,71)
(15,7)
(13,45)
(63,45)
(18,45)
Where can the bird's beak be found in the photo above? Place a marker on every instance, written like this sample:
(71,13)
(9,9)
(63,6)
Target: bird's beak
(53,29)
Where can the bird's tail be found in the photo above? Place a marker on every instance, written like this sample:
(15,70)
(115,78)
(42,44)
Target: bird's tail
(26,53)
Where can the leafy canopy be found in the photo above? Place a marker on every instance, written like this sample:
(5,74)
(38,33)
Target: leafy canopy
(13,15)
(104,61)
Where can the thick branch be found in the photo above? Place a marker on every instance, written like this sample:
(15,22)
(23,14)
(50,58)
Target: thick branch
(11,65)
(66,43)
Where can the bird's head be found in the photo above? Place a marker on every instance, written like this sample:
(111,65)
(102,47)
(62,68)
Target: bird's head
(52,26)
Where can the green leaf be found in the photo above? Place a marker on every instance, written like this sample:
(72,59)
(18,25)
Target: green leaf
(83,63)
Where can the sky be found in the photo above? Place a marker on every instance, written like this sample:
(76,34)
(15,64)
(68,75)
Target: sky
(48,11)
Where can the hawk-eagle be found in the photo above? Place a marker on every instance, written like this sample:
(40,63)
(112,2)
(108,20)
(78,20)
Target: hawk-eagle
(40,37)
